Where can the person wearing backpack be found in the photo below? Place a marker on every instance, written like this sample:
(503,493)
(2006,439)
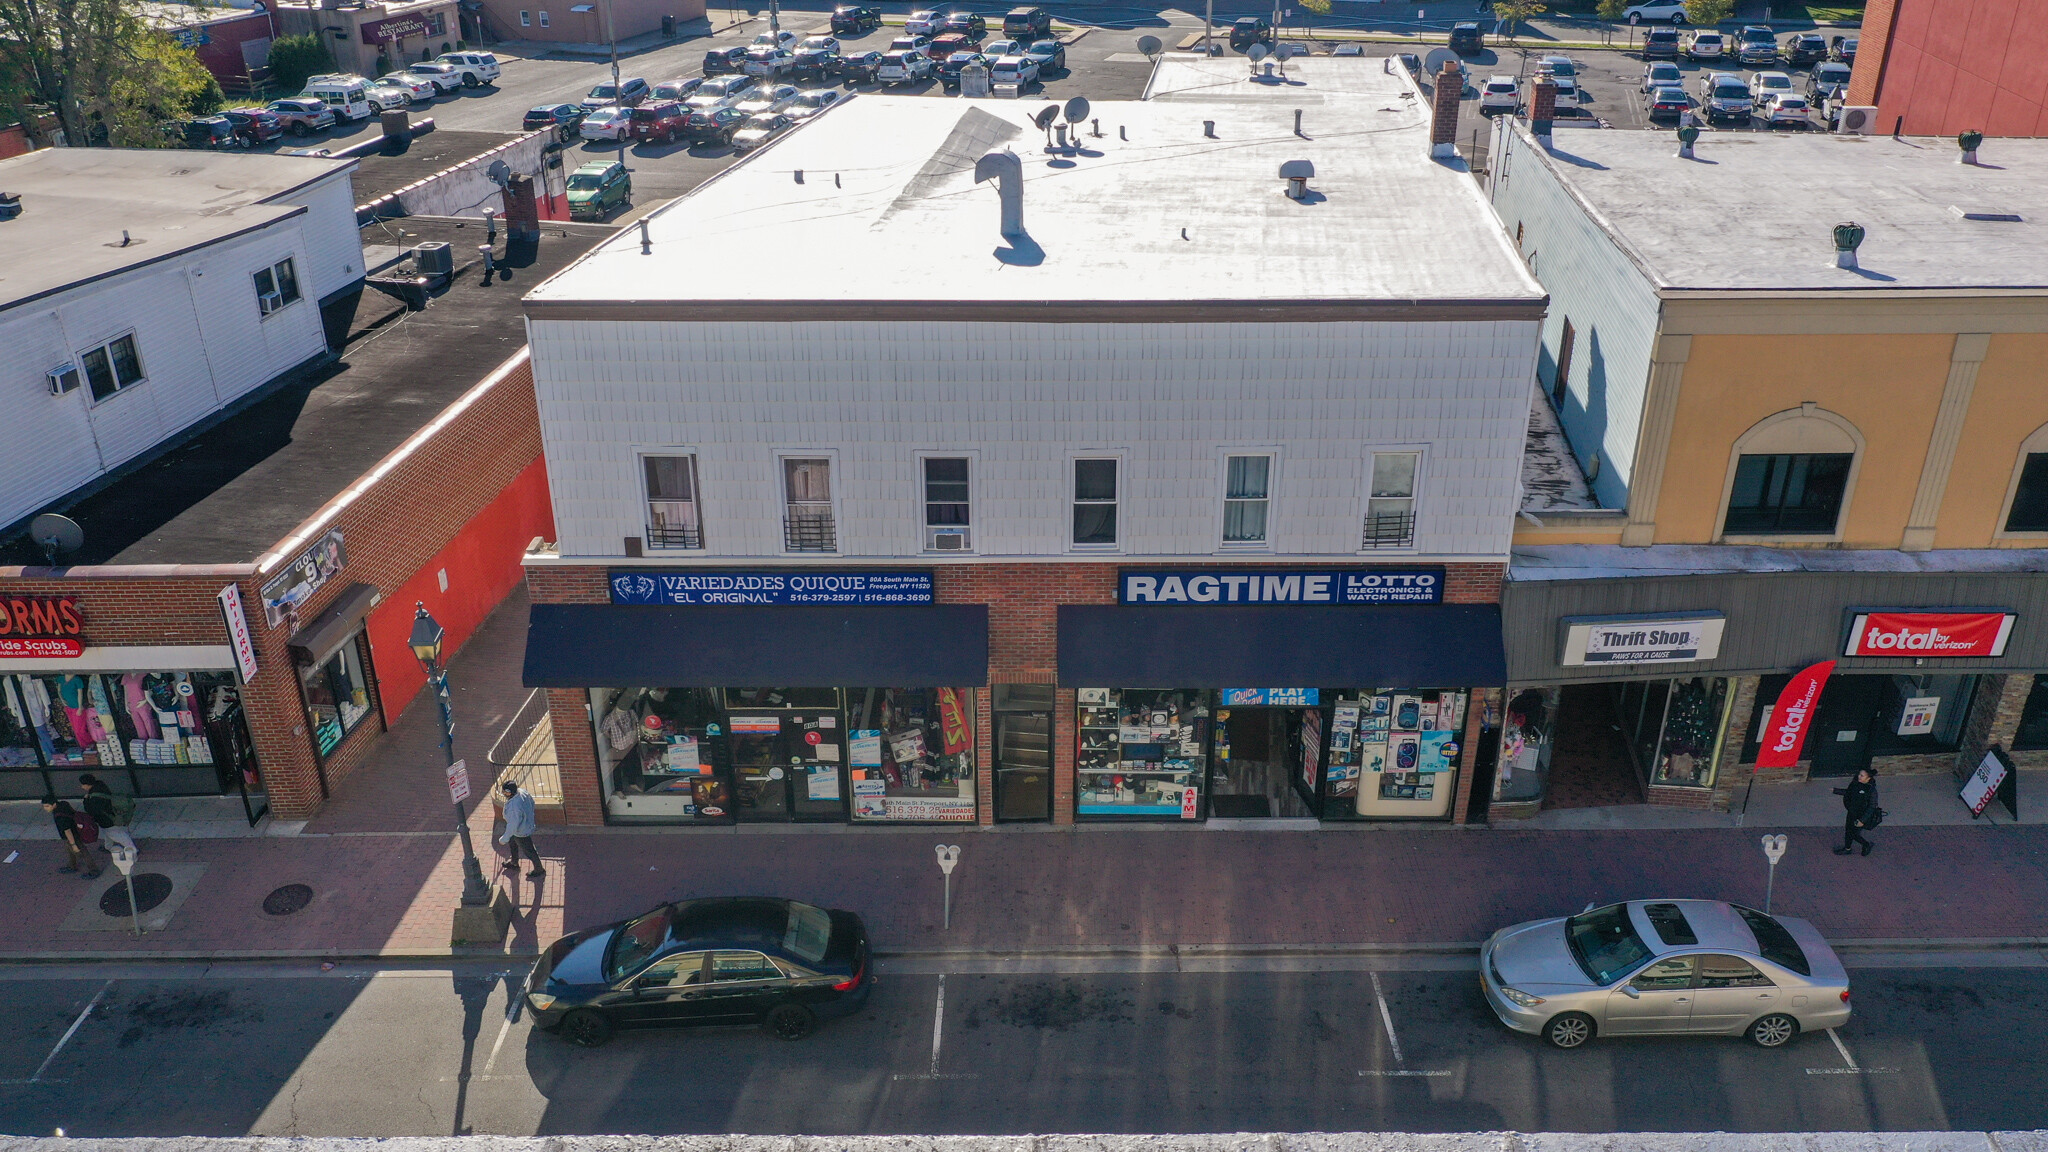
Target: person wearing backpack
(1859,800)
(111,812)
(74,829)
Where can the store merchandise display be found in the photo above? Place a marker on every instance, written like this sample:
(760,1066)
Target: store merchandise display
(1141,752)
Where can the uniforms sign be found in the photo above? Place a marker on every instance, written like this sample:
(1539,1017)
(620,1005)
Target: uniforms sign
(1290,586)
(1923,634)
(41,626)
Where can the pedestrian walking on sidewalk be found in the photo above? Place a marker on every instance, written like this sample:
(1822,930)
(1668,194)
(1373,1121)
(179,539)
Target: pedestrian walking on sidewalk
(1860,801)
(112,813)
(74,837)
(519,824)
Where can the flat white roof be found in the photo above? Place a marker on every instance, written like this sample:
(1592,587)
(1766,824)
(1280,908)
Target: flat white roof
(1152,211)
(77,202)
(1755,211)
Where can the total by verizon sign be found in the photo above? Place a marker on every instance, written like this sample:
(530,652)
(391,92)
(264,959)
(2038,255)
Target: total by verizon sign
(1924,634)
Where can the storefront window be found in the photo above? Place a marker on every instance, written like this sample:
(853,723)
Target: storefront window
(337,696)
(911,753)
(1409,751)
(1142,752)
(1526,745)
(150,724)
(2033,728)
(1694,711)
(659,750)
(1922,714)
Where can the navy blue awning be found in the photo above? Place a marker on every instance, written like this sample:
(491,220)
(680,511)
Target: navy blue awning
(757,645)
(1352,646)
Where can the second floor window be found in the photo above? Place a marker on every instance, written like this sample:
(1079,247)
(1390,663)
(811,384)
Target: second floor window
(807,519)
(1246,492)
(276,286)
(112,366)
(1095,502)
(1787,495)
(2030,500)
(946,503)
(1390,508)
(673,520)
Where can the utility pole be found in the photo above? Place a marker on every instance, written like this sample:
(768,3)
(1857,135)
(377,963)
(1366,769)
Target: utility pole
(1209,29)
(774,16)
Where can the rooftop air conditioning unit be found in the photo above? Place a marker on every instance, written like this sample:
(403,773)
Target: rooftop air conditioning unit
(1857,121)
(63,378)
(946,540)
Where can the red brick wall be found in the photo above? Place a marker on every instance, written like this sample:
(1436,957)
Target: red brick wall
(1939,67)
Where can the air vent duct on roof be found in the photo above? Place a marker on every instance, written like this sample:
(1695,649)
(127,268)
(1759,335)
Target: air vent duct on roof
(1999,215)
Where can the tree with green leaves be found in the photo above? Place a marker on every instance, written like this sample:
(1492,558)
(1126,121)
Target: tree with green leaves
(1318,7)
(1610,9)
(293,58)
(1511,13)
(107,76)
(1707,13)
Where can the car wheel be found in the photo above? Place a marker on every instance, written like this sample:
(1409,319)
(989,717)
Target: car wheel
(1773,1031)
(1569,1030)
(469,80)
(790,1021)
(585,1028)
(1678,19)
(1635,18)
(299,129)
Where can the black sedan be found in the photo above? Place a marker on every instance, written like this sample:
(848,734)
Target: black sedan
(751,960)
(854,19)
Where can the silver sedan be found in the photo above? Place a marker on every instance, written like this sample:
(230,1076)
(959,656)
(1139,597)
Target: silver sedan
(1664,967)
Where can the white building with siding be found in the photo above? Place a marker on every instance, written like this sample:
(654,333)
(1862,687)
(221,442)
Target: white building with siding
(1172,357)
(144,291)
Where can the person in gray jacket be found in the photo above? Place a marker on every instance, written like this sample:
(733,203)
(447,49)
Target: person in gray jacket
(519,825)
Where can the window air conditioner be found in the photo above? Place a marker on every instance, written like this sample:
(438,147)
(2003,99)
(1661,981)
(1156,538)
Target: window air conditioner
(1858,121)
(270,302)
(946,540)
(63,378)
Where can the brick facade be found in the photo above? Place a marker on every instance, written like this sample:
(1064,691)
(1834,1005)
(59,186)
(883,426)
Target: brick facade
(1023,599)
(394,520)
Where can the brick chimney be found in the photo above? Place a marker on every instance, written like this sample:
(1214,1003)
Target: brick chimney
(522,213)
(1542,109)
(1443,120)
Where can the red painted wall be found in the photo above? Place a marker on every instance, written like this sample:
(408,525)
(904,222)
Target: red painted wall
(222,53)
(1939,67)
(483,565)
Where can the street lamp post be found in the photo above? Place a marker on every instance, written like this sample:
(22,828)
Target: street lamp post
(426,644)
(612,36)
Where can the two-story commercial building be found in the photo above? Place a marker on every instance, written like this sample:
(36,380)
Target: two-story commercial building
(1093,472)
(1816,431)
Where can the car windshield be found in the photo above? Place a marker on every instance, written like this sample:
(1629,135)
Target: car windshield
(1561,68)
(1833,72)
(604,91)
(1758,36)
(808,932)
(638,939)
(1730,91)
(1773,942)
(818,42)
(1605,943)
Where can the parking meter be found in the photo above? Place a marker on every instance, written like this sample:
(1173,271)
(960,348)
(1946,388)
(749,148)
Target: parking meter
(124,859)
(949,855)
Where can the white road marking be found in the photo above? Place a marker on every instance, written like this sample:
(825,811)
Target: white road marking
(1387,1018)
(495,1045)
(939,1023)
(69,1033)
(1853,1069)
(1843,1049)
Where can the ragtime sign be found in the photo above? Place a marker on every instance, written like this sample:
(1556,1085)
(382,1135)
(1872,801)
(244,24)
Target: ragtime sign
(1237,586)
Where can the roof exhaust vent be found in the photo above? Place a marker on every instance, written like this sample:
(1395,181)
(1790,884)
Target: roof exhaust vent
(1969,142)
(646,243)
(10,205)
(1008,172)
(1848,238)
(1297,123)
(1209,129)
(1296,173)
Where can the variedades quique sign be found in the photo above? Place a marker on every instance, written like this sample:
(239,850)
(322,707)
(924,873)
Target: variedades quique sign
(1322,586)
(635,586)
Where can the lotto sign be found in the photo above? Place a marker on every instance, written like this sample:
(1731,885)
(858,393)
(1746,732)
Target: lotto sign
(1922,634)
(1324,586)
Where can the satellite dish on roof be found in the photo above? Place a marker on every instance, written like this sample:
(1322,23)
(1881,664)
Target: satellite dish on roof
(1286,51)
(1046,116)
(56,534)
(1150,45)
(1434,62)
(1076,110)
(1256,53)
(499,172)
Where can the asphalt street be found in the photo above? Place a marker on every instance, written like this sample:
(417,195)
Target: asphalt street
(1249,1045)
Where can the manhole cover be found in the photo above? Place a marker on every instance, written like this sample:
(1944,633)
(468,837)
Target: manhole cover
(288,899)
(151,889)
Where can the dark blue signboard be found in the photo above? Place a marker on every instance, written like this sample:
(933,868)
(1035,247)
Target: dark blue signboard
(787,586)
(1413,585)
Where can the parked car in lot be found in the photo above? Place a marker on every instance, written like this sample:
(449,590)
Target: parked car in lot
(475,68)
(759,130)
(564,117)
(1705,46)
(1671,11)
(1011,73)
(715,125)
(1660,44)
(1567,103)
(204,132)
(904,67)
(1806,48)
(1556,66)
(815,55)
(1662,74)
(679,89)
(1724,96)
(1765,87)
(779,38)
(854,19)
(1830,81)
(997,49)
(948,70)
(1048,55)
(858,67)
(254,125)
(809,104)
(657,120)
(1789,110)
(911,43)
(419,87)
(719,61)
(1669,967)
(765,60)
(444,77)
(719,92)
(923,22)
(1467,39)
(1757,44)
(780,963)
(628,92)
(1247,31)
(1668,103)
(1027,23)
(972,25)
(764,100)
(597,188)
(945,45)
(384,95)
(1499,96)
(302,115)
(1846,50)
(347,94)
(610,122)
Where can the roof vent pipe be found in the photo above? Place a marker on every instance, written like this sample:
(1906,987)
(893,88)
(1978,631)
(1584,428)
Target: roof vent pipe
(1296,173)
(124,238)
(1297,122)
(1848,238)
(646,244)
(1008,172)
(1969,142)
(1209,129)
